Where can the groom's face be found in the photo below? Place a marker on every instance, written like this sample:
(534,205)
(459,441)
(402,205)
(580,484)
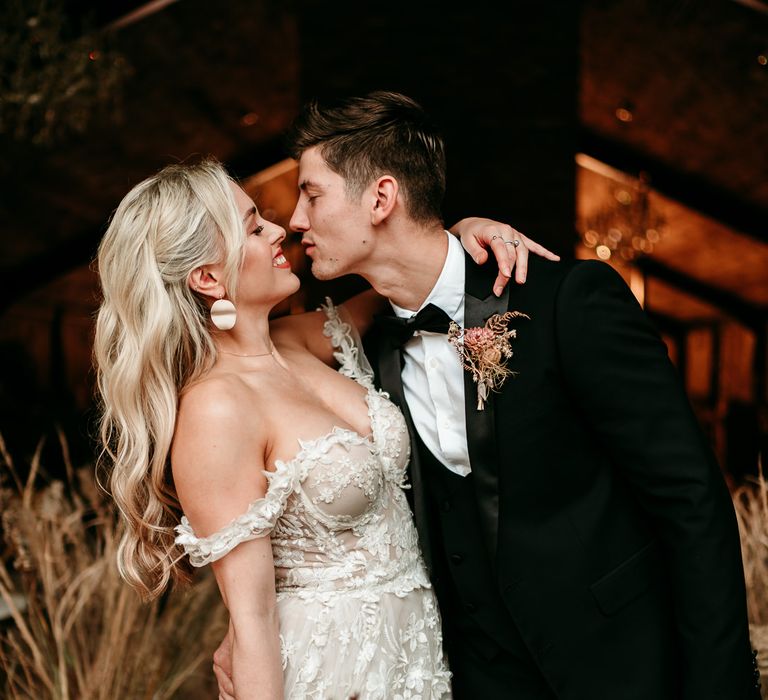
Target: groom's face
(334,227)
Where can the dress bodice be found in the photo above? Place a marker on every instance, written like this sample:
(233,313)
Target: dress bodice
(336,512)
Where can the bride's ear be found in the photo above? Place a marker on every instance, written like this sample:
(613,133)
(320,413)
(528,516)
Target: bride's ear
(205,280)
(385,191)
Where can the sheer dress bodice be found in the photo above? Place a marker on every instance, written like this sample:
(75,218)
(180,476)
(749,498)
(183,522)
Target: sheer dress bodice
(348,571)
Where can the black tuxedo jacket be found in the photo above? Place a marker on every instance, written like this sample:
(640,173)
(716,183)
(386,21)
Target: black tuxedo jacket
(610,528)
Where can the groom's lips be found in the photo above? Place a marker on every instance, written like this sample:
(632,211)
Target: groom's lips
(309,247)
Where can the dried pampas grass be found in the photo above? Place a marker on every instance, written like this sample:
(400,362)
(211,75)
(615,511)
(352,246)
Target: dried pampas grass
(73,629)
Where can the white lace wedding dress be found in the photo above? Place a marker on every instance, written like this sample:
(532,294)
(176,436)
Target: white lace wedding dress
(358,617)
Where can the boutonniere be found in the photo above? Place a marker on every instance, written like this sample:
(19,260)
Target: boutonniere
(484,352)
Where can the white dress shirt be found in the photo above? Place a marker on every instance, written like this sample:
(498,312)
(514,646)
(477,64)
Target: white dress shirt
(433,378)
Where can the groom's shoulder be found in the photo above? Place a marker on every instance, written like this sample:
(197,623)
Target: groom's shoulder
(551,284)
(548,272)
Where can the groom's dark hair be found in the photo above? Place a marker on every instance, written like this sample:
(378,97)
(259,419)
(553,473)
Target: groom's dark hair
(362,138)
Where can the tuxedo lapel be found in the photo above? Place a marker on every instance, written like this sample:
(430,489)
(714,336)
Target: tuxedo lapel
(390,367)
(480,304)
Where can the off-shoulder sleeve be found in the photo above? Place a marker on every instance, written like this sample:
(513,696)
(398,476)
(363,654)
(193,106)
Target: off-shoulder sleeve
(349,348)
(257,521)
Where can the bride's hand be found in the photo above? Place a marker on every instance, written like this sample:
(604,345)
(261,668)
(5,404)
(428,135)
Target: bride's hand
(477,234)
(222,668)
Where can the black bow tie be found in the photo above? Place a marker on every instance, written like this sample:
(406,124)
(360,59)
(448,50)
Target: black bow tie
(399,330)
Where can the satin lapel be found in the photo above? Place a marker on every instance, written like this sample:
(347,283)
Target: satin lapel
(390,366)
(480,304)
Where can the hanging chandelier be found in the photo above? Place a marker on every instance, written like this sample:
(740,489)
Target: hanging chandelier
(627,226)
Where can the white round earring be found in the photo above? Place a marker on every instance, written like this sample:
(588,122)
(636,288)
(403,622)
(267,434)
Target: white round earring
(223,314)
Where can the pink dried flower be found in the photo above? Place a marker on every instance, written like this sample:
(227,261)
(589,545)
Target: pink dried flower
(484,350)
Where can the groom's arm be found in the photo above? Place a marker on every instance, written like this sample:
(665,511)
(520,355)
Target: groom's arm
(618,372)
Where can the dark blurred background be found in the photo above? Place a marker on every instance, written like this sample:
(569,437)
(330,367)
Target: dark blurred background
(629,130)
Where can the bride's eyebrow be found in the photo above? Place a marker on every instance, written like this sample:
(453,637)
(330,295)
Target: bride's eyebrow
(248,215)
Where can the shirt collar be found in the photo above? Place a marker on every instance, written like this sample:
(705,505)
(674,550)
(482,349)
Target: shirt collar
(448,292)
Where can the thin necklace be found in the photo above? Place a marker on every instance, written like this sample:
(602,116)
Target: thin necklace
(237,354)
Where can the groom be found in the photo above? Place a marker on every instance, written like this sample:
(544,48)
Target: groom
(579,534)
(578,531)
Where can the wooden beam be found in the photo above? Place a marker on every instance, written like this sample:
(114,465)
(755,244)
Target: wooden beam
(749,314)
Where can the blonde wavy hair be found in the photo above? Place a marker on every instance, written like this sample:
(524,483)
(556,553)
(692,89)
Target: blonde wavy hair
(152,339)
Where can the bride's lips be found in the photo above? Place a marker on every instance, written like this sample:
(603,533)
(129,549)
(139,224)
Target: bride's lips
(280,261)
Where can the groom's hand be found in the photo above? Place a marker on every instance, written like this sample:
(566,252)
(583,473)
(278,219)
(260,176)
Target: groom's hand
(510,247)
(222,669)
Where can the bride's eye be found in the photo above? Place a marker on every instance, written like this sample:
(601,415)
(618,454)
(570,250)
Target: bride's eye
(258,230)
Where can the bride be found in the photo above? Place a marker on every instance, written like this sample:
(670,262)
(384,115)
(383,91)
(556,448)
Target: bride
(289,474)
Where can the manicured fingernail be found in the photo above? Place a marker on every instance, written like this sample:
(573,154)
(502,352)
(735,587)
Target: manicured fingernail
(498,290)
(506,271)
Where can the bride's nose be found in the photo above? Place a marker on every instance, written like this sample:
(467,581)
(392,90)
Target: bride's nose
(278,235)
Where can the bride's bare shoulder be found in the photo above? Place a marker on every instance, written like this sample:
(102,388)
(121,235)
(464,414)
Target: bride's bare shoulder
(221,407)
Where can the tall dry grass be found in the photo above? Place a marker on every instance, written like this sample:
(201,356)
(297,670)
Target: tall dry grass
(76,630)
(751,503)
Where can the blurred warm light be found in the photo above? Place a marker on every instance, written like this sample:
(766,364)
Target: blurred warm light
(249,119)
(637,284)
(140,13)
(624,223)
(762,59)
(624,112)
(603,252)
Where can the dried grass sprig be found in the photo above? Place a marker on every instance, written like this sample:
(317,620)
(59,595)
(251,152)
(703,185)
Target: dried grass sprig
(751,503)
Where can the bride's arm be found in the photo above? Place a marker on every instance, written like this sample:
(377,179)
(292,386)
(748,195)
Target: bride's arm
(218,472)
(477,235)
(246,578)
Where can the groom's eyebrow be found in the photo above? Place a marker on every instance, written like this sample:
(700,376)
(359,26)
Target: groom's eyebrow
(306,184)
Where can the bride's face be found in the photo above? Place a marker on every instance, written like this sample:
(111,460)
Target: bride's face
(265,276)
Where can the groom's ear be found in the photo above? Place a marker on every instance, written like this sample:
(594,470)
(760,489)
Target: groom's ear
(385,191)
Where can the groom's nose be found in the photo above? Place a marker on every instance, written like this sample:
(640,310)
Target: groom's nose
(299,221)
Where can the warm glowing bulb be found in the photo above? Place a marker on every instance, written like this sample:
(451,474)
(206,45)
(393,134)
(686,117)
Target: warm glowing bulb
(249,119)
(603,252)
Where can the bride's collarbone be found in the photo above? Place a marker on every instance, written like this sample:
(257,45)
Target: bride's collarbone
(298,395)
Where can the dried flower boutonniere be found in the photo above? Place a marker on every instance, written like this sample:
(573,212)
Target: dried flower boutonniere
(485,351)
